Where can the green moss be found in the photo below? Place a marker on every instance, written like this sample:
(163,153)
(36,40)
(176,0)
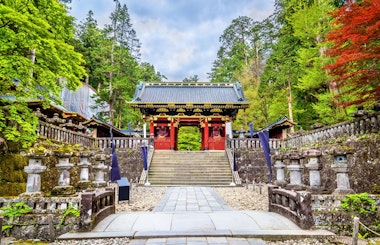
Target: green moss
(12,175)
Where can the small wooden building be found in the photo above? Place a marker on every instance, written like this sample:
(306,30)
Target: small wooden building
(209,106)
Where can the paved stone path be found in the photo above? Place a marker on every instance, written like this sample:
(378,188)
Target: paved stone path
(196,215)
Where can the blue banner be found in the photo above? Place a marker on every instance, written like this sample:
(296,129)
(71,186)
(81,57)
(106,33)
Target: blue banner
(264,140)
(144,153)
(115,171)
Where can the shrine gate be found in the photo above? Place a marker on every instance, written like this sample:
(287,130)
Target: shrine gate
(208,106)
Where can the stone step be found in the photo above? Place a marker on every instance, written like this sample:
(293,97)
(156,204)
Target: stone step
(190,168)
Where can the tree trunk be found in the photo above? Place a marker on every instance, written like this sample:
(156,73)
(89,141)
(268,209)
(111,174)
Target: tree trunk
(290,106)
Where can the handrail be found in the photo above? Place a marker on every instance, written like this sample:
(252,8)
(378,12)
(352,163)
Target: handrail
(369,123)
(121,142)
(295,205)
(50,131)
(251,143)
(95,207)
(235,175)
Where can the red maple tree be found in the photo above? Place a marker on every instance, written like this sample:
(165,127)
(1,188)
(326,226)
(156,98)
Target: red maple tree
(355,39)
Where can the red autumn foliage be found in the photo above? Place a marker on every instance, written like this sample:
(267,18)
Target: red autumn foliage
(356,51)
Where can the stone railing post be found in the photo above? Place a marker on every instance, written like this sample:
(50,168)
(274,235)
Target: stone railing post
(314,169)
(340,167)
(305,212)
(295,171)
(85,223)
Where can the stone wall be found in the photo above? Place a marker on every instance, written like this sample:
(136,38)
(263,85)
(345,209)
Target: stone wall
(45,220)
(363,160)
(252,166)
(130,164)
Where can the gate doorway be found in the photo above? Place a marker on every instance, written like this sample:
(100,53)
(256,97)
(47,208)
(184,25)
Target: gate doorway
(189,138)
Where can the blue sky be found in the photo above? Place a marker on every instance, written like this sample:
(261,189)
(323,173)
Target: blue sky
(180,38)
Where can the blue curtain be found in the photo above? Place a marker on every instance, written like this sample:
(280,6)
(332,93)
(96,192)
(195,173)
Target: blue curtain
(264,140)
(144,153)
(115,171)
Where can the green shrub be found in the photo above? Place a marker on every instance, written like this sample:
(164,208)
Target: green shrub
(13,210)
(360,203)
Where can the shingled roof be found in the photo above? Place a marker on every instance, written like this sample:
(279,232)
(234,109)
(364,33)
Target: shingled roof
(189,99)
(189,93)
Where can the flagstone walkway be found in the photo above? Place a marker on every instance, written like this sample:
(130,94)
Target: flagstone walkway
(196,215)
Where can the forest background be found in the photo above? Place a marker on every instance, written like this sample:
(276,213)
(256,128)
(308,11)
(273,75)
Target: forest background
(313,61)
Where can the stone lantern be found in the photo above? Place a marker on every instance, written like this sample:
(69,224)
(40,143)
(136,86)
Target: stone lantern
(100,169)
(63,166)
(34,170)
(340,167)
(314,169)
(84,165)
(295,171)
(280,170)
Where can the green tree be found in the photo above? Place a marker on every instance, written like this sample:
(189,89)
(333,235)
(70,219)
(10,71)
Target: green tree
(311,25)
(189,138)
(149,74)
(36,62)
(191,79)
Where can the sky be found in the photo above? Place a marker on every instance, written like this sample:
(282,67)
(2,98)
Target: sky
(180,38)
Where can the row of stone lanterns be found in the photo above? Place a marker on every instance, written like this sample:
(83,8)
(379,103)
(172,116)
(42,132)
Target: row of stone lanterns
(294,167)
(64,187)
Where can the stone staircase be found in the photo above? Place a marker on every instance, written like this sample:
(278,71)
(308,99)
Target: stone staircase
(206,168)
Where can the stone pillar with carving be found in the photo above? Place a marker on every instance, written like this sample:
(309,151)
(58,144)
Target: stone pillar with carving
(280,171)
(295,170)
(100,169)
(64,188)
(84,165)
(340,167)
(314,167)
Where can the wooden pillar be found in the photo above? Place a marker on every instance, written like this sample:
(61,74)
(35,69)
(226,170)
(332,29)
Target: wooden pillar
(206,135)
(172,135)
(151,128)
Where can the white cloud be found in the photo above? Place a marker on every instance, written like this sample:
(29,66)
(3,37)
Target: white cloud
(180,38)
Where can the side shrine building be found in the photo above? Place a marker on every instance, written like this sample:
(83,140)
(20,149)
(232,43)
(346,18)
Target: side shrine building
(210,106)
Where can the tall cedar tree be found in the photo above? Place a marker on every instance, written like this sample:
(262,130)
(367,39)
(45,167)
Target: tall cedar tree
(356,53)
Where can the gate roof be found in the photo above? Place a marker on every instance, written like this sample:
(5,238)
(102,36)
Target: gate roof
(189,98)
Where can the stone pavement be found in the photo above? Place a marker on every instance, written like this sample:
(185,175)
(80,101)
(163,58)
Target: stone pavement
(196,215)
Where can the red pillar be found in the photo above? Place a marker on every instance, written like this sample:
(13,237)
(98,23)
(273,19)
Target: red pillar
(151,128)
(172,135)
(205,134)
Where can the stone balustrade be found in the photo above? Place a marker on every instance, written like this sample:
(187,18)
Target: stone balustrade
(44,205)
(251,143)
(121,142)
(364,123)
(295,205)
(63,135)
(47,213)
(95,206)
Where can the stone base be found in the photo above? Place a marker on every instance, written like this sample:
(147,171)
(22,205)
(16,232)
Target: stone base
(281,183)
(295,187)
(84,185)
(343,191)
(32,194)
(99,184)
(316,190)
(67,190)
